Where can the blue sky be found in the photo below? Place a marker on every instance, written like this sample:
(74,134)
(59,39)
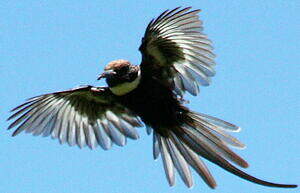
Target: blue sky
(54,45)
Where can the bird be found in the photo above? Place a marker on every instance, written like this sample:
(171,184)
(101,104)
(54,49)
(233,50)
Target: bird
(177,58)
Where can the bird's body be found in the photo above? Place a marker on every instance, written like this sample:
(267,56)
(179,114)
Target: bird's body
(155,104)
(176,58)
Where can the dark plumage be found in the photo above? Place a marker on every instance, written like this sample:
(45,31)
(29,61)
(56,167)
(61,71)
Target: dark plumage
(176,57)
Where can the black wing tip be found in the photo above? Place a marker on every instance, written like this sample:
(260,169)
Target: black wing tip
(18,107)
(187,9)
(15,133)
(11,110)
(176,8)
(9,127)
(182,9)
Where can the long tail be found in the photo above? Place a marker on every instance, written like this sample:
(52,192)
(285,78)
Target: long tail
(202,136)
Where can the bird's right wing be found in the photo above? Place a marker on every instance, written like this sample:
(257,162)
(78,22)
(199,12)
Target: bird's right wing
(176,52)
(83,116)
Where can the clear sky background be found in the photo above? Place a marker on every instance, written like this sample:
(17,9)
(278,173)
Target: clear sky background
(48,46)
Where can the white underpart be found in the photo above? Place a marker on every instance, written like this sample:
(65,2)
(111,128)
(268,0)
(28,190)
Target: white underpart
(126,87)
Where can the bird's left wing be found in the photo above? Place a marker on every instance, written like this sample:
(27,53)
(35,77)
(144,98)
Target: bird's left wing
(176,52)
(83,116)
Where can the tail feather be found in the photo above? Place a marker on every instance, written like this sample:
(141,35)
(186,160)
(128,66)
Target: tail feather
(194,161)
(156,148)
(205,135)
(224,125)
(219,128)
(167,160)
(201,136)
(180,163)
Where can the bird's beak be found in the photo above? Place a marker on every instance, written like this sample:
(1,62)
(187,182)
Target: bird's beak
(106,74)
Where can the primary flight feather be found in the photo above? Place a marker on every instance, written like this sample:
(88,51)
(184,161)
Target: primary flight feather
(176,58)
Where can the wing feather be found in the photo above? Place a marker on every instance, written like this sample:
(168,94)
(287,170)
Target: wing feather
(85,116)
(176,52)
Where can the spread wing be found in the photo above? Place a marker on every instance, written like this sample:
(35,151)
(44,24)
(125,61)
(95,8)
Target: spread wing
(176,52)
(83,116)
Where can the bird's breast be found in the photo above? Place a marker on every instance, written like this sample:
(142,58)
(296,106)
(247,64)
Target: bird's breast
(156,105)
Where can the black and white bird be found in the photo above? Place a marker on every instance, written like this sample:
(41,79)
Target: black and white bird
(176,58)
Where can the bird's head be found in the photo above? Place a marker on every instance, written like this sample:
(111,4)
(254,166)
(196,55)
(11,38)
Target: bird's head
(121,76)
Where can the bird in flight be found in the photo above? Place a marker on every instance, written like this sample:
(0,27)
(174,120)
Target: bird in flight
(176,58)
